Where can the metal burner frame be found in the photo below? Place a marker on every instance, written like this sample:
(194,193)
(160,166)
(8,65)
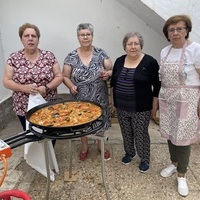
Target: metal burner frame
(32,135)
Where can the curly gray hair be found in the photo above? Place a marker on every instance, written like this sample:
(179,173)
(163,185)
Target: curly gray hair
(133,34)
(85,26)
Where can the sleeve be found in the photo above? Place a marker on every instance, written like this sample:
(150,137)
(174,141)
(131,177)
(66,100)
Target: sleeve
(100,54)
(155,78)
(51,57)
(104,54)
(69,58)
(163,53)
(13,58)
(197,57)
(118,64)
(114,73)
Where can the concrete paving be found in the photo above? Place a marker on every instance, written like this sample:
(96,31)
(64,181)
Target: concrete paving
(123,182)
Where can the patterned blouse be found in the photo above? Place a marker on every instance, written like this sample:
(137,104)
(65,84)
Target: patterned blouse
(87,78)
(25,72)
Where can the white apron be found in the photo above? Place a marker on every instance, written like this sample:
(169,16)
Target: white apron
(178,104)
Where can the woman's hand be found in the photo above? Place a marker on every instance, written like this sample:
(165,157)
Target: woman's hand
(104,75)
(74,89)
(198,111)
(154,110)
(107,73)
(30,89)
(42,90)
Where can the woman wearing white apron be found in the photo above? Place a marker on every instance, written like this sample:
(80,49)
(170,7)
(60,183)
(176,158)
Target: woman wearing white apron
(179,96)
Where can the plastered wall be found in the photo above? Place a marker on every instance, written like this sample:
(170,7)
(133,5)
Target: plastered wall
(58,19)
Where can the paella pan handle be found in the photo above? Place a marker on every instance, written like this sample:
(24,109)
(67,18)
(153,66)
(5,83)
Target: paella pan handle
(16,137)
(21,139)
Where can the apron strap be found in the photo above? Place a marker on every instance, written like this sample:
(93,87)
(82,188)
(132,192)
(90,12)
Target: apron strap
(181,62)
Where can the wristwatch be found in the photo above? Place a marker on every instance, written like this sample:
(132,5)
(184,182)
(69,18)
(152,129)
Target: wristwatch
(47,89)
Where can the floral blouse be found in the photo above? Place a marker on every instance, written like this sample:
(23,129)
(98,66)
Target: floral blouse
(25,72)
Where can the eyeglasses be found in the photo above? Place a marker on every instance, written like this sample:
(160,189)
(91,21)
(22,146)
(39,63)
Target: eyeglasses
(85,35)
(132,43)
(178,29)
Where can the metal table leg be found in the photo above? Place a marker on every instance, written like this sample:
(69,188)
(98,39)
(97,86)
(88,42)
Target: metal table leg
(47,168)
(70,175)
(70,158)
(102,138)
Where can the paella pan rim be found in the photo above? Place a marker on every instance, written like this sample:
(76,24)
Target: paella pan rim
(61,128)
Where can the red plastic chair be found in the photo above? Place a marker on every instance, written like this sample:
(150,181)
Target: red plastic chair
(6,195)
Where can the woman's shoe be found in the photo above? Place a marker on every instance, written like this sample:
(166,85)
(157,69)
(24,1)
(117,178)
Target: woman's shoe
(182,186)
(144,167)
(83,155)
(106,154)
(127,159)
(168,171)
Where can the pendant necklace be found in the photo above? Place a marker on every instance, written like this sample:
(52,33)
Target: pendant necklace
(31,64)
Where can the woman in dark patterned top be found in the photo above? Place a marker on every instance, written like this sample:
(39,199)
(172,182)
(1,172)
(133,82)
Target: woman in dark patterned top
(31,71)
(85,72)
(136,86)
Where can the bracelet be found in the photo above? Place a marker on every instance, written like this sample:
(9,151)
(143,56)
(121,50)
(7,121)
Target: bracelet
(47,89)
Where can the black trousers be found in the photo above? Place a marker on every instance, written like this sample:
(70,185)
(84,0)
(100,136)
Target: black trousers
(134,129)
(180,155)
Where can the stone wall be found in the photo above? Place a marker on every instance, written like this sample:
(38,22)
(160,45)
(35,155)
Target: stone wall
(6,113)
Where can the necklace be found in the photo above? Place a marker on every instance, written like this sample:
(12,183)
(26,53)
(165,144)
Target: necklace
(31,58)
(31,64)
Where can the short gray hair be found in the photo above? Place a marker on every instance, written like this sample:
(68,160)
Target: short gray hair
(85,26)
(133,34)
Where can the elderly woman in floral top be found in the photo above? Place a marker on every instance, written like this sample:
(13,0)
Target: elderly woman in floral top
(31,71)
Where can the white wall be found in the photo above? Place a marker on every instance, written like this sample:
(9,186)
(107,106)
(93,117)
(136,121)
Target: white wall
(174,7)
(4,92)
(58,19)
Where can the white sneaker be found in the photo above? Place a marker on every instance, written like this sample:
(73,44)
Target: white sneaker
(168,171)
(182,186)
